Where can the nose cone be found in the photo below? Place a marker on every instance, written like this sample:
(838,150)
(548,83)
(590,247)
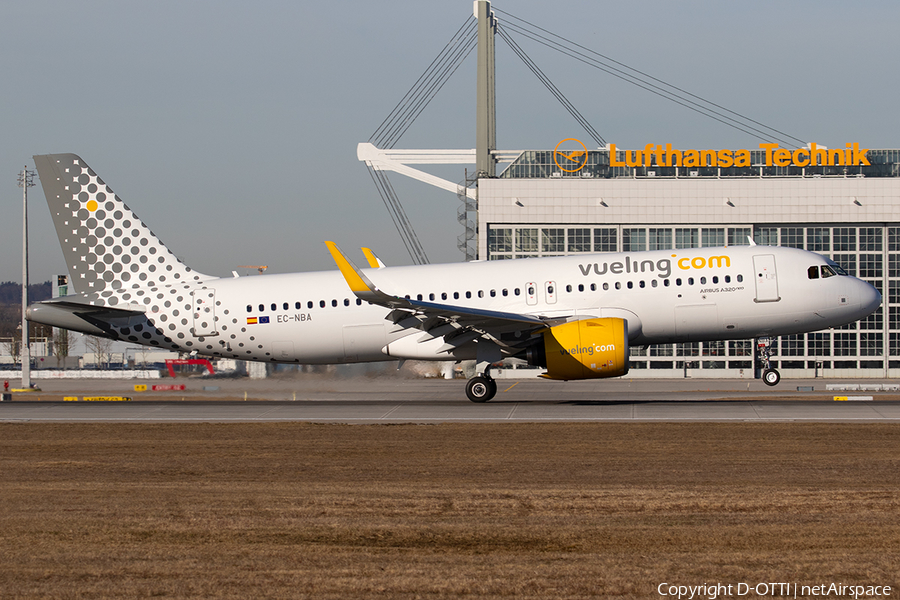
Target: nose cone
(869,297)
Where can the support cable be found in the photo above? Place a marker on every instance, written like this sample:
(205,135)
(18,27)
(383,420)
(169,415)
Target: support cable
(679,96)
(436,71)
(550,86)
(437,82)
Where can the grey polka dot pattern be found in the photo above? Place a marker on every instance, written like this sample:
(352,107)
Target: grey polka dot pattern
(115,260)
(106,245)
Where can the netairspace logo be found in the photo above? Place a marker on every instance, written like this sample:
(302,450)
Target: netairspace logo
(712,591)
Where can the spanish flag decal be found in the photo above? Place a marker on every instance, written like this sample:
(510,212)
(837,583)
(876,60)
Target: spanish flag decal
(251,320)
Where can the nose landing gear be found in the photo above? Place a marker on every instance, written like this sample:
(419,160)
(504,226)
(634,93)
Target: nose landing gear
(770,376)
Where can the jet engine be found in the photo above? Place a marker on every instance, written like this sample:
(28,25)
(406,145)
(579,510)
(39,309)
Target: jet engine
(586,349)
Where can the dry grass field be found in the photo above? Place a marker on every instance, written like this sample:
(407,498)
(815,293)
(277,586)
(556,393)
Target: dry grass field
(442,511)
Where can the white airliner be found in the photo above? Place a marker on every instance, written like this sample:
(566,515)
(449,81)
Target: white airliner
(575,315)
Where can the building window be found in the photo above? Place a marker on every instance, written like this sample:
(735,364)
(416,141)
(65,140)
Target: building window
(792,237)
(766,236)
(526,240)
(870,265)
(792,345)
(844,239)
(846,262)
(713,237)
(634,240)
(845,344)
(605,240)
(819,344)
(499,240)
(870,239)
(818,239)
(659,239)
(738,236)
(579,240)
(870,344)
(553,240)
(687,238)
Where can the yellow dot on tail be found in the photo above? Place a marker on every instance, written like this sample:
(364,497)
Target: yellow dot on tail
(92,205)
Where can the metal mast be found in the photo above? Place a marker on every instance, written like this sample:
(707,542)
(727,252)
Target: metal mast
(485,114)
(26,180)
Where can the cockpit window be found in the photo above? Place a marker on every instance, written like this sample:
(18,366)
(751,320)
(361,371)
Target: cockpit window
(828,271)
(813,272)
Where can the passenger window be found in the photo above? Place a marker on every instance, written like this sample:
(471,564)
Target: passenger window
(678,282)
(630,285)
(443,295)
(549,289)
(297,305)
(346,302)
(493,293)
(431,297)
(334,303)
(641,284)
(580,287)
(419,297)
(456,295)
(505,292)
(593,287)
(568,288)
(321,304)
(665,282)
(813,272)
(740,278)
(481,293)
(618,285)
(468,295)
(517,291)
(262,307)
(690,281)
(358,302)
(654,283)
(285,306)
(605,287)
(249,308)
(274,306)
(309,304)
(703,281)
(728,279)
(716,279)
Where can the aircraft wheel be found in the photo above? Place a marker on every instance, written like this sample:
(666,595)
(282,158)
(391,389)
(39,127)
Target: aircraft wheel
(481,389)
(771,377)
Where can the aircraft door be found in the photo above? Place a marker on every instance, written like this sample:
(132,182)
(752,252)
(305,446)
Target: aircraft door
(766,278)
(531,293)
(550,291)
(204,303)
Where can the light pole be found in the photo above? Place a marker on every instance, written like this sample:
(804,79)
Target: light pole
(26,180)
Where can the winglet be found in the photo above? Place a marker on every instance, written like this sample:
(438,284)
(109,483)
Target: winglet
(358,282)
(750,240)
(374,261)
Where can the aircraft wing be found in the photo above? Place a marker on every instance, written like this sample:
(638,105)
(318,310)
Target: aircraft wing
(457,324)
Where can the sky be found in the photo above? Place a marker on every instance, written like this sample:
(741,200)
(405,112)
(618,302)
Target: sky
(231,128)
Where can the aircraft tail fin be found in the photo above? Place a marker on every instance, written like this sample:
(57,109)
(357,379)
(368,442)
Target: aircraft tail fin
(107,248)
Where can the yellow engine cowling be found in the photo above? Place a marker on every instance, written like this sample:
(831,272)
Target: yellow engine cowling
(586,349)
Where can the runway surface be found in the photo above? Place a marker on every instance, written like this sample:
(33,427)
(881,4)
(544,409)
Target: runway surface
(397,400)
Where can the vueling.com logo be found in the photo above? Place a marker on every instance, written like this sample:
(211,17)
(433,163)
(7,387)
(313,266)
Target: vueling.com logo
(662,267)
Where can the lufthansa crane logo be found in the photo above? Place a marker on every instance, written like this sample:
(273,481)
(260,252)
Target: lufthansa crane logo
(570,155)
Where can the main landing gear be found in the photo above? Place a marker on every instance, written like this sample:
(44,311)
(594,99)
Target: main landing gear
(770,376)
(482,387)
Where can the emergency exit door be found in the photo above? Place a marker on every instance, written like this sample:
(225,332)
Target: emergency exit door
(766,278)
